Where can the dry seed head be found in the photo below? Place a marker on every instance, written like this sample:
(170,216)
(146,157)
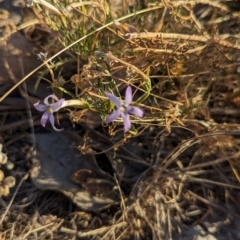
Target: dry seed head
(1,175)
(138,223)
(4,190)
(9,165)
(3,156)
(177,69)
(137,235)
(77,80)
(9,181)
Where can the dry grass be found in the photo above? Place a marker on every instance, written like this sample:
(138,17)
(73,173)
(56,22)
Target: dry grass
(184,67)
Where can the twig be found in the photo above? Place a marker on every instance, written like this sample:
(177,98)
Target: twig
(197,38)
(125,216)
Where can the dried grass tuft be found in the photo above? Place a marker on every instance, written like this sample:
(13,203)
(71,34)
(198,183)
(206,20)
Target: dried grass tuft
(181,167)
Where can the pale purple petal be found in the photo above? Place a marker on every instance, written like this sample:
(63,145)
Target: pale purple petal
(44,118)
(40,107)
(113,116)
(52,121)
(113,99)
(128,95)
(127,123)
(57,105)
(135,111)
(50,96)
(57,129)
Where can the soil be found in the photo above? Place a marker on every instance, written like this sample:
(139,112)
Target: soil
(178,178)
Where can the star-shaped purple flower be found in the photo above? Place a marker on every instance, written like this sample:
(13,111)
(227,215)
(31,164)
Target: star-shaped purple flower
(123,108)
(49,109)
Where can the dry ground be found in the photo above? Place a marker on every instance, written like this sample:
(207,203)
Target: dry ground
(176,176)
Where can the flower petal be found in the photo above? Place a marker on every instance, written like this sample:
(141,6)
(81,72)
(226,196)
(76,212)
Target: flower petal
(44,118)
(127,123)
(113,99)
(50,96)
(52,121)
(135,111)
(57,105)
(128,95)
(113,116)
(40,107)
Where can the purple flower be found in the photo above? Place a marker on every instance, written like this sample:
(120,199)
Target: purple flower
(123,109)
(49,109)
